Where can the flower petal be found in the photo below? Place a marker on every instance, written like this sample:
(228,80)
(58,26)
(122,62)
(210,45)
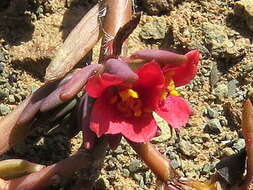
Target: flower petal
(103,113)
(140,129)
(150,84)
(98,84)
(105,119)
(175,110)
(186,72)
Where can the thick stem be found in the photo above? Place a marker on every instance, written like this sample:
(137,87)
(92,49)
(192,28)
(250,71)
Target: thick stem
(117,13)
(60,171)
(155,161)
(247,128)
(10,134)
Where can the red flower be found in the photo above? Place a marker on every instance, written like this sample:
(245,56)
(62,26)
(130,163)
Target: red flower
(126,107)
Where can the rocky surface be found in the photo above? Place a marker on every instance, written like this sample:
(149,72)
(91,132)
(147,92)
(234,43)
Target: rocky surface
(220,30)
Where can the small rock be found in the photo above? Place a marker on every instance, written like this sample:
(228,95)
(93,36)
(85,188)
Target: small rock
(155,29)
(119,150)
(212,113)
(240,144)
(148,177)
(206,168)
(214,75)
(250,93)
(134,165)
(41,142)
(228,151)
(187,149)
(232,85)
(221,91)
(156,7)
(213,127)
(2,65)
(138,177)
(125,172)
(217,39)
(4,109)
(175,164)
(244,9)
(3,94)
(11,98)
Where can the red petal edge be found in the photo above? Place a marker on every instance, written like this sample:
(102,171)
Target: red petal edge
(186,72)
(175,110)
(98,84)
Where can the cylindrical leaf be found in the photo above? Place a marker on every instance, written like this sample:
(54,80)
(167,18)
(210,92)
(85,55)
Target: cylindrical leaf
(13,168)
(79,42)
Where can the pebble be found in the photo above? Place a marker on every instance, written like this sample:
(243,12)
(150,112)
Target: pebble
(155,29)
(119,150)
(148,177)
(11,98)
(4,109)
(206,168)
(125,172)
(221,91)
(187,149)
(213,127)
(2,65)
(134,165)
(138,177)
(212,113)
(3,94)
(239,144)
(175,164)
(227,151)
(232,86)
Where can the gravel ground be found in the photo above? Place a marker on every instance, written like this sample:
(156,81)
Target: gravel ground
(222,30)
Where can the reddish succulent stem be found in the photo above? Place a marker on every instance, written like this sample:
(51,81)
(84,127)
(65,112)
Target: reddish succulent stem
(58,172)
(247,128)
(155,161)
(117,14)
(10,133)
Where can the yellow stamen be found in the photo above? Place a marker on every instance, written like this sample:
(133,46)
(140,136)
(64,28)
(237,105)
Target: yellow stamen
(174,93)
(164,95)
(133,93)
(171,85)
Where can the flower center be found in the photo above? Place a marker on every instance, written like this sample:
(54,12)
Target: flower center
(169,87)
(128,102)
